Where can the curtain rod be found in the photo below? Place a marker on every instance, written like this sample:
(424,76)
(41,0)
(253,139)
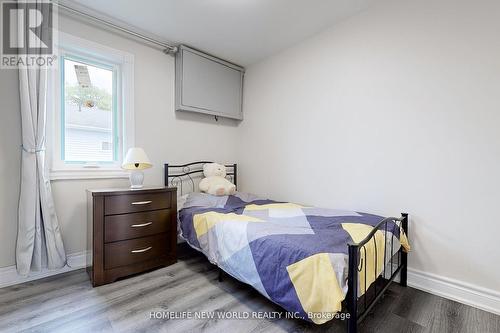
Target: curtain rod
(167,48)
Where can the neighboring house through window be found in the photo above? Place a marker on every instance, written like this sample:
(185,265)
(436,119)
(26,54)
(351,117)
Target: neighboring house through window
(92,122)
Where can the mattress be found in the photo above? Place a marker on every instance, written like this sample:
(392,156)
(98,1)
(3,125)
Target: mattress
(295,255)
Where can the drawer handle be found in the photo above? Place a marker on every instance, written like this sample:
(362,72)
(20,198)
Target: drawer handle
(142,250)
(142,202)
(141,225)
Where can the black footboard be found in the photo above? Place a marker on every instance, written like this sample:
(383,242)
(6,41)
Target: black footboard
(359,308)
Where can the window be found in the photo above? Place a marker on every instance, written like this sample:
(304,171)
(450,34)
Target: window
(92,124)
(106,145)
(89,114)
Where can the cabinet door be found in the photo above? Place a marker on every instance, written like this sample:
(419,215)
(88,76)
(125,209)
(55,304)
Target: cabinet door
(208,85)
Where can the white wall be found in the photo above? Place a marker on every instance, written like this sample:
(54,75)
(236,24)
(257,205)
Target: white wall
(165,136)
(396,109)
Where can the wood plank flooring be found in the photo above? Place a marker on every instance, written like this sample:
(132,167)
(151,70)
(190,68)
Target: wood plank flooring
(68,303)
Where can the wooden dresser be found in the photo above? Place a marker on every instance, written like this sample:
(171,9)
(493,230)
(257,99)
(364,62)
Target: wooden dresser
(130,231)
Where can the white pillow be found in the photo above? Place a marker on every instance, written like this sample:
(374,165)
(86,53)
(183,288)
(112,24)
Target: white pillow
(181,201)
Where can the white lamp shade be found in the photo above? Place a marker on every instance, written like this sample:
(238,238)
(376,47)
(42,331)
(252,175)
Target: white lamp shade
(136,159)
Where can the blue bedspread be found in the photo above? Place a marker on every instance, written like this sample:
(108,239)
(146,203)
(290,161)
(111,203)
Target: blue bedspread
(294,255)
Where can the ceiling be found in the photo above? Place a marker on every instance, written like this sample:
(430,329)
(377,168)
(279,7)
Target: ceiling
(241,31)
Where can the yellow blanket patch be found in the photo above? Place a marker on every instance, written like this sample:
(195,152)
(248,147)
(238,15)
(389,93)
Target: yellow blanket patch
(316,286)
(274,206)
(404,241)
(358,232)
(203,222)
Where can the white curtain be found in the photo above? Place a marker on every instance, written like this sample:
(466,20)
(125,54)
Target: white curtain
(39,241)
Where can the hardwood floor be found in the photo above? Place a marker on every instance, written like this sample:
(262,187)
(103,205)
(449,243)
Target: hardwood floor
(68,303)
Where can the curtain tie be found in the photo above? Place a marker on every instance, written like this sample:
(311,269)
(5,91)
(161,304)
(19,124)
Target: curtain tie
(32,150)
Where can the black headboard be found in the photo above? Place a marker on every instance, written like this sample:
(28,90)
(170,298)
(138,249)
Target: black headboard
(178,174)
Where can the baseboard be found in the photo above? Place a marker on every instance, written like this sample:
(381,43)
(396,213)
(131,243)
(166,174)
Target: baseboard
(481,298)
(9,276)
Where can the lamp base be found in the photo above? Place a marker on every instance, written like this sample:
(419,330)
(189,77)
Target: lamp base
(136,179)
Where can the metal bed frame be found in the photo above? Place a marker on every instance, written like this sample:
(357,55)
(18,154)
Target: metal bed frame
(187,172)
(357,307)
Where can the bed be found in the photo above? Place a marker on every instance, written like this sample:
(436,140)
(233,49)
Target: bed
(316,263)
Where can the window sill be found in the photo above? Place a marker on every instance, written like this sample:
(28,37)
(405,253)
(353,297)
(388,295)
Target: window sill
(87,174)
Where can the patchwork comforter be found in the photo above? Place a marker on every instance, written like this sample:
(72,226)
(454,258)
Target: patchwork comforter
(294,255)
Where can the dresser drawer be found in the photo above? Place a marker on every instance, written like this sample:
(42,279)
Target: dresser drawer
(135,225)
(135,250)
(121,204)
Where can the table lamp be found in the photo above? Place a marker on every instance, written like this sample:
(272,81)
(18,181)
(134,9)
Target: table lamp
(136,161)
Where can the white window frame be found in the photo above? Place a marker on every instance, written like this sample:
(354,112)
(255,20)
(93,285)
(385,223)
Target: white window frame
(123,63)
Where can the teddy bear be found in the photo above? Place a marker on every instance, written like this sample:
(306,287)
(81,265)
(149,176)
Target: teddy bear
(215,182)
